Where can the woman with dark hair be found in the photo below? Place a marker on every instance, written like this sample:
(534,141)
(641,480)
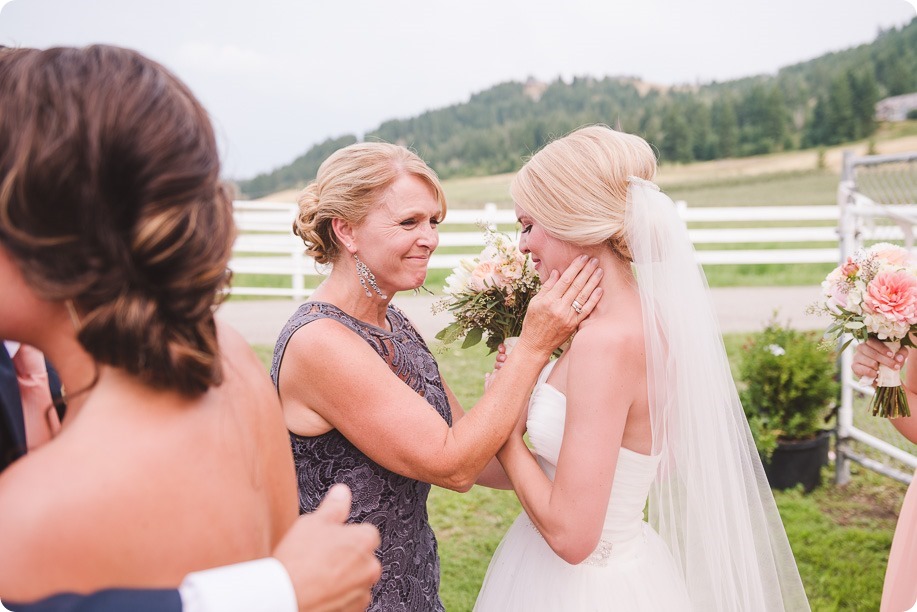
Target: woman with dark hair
(115,232)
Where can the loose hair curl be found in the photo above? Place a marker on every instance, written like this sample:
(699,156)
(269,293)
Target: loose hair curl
(111,198)
(349,184)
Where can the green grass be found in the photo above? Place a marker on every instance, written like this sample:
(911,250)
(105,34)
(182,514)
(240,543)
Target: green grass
(812,188)
(840,535)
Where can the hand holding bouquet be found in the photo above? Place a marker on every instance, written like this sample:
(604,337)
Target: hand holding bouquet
(874,294)
(489,294)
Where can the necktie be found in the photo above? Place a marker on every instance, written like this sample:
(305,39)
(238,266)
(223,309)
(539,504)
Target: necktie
(41,421)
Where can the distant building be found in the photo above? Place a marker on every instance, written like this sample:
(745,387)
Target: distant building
(533,88)
(896,108)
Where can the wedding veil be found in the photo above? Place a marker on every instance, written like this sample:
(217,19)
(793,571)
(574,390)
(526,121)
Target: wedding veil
(710,501)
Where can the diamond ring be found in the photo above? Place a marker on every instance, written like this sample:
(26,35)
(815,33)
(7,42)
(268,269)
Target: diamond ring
(577,307)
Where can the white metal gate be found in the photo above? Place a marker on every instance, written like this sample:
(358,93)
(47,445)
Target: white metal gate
(877,199)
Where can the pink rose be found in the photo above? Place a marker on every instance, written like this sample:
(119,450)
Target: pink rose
(893,295)
(850,268)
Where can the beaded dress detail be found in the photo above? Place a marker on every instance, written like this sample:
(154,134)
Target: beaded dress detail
(396,505)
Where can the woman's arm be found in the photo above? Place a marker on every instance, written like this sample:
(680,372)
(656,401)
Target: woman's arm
(333,372)
(570,511)
(492,475)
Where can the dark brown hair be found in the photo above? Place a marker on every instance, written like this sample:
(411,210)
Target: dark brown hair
(111,198)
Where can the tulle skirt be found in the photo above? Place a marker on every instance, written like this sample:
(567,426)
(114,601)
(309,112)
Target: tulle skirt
(525,574)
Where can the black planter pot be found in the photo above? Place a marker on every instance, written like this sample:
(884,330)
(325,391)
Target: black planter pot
(798,462)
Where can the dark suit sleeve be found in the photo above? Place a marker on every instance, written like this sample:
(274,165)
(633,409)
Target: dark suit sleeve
(12,428)
(114,600)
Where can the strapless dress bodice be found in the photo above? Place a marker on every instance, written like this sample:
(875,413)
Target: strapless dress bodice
(634,472)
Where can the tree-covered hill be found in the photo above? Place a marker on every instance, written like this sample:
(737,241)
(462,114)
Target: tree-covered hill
(824,101)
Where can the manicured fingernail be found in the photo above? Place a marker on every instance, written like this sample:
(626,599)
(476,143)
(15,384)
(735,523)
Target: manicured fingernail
(583,257)
(599,272)
(594,261)
(899,359)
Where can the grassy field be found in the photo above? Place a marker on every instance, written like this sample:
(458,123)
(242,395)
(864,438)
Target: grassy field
(840,535)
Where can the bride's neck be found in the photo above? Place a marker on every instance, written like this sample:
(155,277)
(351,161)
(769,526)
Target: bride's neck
(619,286)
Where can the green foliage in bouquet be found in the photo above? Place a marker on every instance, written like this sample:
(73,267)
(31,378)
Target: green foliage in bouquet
(790,385)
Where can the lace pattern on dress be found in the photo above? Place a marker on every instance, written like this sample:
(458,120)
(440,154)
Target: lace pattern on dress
(396,505)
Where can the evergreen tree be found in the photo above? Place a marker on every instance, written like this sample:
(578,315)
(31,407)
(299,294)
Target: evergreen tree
(726,127)
(865,94)
(676,142)
(840,122)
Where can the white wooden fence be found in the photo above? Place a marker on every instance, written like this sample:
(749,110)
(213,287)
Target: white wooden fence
(267,246)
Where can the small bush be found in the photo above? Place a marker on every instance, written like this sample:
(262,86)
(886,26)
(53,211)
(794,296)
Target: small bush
(790,385)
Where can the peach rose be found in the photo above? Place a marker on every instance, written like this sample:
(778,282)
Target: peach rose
(890,253)
(484,275)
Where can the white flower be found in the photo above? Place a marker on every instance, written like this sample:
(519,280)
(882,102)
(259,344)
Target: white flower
(885,329)
(776,350)
(457,282)
(490,253)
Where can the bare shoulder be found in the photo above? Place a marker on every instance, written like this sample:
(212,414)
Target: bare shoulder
(37,525)
(608,340)
(234,349)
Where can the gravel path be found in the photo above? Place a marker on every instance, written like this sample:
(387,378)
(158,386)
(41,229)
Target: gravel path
(740,309)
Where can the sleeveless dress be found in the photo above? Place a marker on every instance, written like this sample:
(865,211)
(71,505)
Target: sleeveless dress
(900,589)
(631,568)
(396,505)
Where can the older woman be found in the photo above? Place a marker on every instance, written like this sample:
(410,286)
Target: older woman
(361,393)
(115,232)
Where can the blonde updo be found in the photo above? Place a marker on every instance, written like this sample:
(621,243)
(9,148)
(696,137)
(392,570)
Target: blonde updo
(576,186)
(350,183)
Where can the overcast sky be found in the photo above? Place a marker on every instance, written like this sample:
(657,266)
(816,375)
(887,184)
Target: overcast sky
(281,75)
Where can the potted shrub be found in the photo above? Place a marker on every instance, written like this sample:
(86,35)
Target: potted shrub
(789,392)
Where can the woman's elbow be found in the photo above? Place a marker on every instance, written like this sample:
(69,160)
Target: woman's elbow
(458,480)
(573,548)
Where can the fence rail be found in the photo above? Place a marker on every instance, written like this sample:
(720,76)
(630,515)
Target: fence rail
(267,246)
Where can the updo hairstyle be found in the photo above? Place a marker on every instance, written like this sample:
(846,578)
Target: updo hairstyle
(349,184)
(576,186)
(111,199)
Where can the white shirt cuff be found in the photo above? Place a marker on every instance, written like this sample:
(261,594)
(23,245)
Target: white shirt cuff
(262,585)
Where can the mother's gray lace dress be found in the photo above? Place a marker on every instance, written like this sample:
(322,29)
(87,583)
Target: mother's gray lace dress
(396,505)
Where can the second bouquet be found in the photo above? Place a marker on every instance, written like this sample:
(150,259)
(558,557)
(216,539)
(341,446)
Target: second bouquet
(874,294)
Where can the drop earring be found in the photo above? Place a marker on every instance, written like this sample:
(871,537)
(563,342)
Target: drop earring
(367,279)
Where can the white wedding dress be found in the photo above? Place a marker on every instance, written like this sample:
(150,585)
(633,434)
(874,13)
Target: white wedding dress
(631,569)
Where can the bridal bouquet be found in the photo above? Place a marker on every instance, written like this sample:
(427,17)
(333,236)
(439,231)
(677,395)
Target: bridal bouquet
(874,294)
(488,295)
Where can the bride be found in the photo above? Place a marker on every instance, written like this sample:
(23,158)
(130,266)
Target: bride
(640,408)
